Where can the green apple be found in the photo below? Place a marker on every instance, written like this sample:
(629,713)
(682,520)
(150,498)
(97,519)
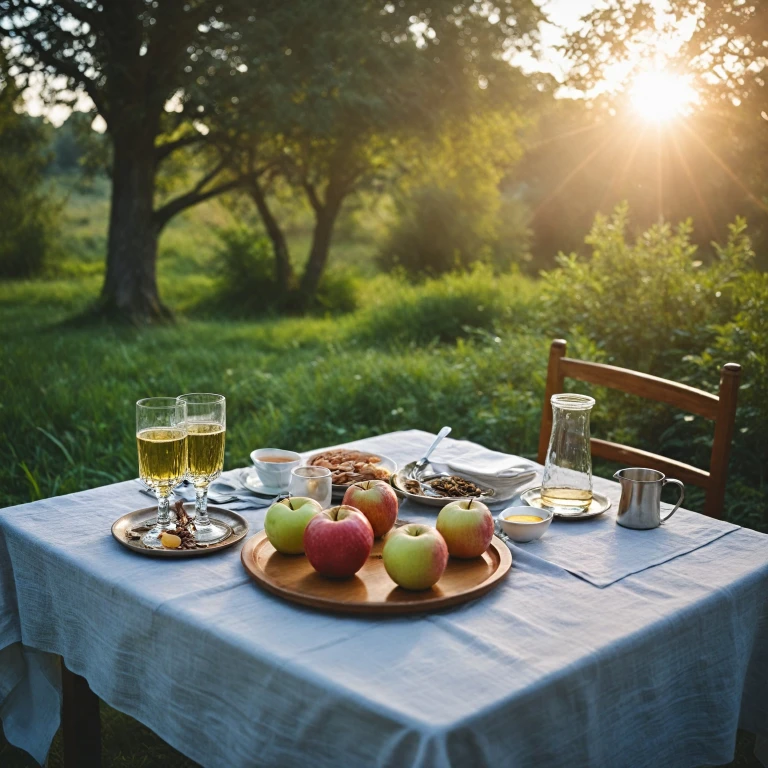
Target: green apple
(285,523)
(415,556)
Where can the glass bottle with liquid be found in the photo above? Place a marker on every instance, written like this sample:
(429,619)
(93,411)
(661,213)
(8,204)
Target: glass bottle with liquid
(566,487)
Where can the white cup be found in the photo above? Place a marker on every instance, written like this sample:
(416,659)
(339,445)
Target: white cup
(275,474)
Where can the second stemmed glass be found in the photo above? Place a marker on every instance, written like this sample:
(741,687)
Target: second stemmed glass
(206,432)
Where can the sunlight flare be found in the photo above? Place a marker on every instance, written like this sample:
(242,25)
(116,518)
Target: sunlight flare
(660,96)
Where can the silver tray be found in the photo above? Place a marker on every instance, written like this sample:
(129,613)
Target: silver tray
(141,517)
(599,504)
(397,480)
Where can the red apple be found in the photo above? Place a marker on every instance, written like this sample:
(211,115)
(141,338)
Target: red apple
(466,526)
(377,500)
(415,556)
(338,541)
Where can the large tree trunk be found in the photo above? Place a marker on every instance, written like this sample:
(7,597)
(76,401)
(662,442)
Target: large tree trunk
(130,286)
(283,269)
(325,220)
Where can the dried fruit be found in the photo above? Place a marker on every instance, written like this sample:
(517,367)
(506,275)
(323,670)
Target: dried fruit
(170,540)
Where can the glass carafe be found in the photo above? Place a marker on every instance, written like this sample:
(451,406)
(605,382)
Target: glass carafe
(566,487)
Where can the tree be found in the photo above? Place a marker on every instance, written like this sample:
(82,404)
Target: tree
(723,46)
(724,42)
(361,88)
(131,57)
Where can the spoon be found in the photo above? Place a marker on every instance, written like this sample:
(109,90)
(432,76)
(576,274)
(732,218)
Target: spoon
(418,467)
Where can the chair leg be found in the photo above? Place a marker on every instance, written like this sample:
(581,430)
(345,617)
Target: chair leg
(81,722)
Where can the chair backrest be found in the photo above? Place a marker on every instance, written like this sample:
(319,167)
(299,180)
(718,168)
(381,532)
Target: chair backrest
(720,409)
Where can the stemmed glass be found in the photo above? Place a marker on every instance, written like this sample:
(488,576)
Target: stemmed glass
(206,422)
(312,482)
(161,439)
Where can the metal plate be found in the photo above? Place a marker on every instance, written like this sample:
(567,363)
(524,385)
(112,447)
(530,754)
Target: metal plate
(398,483)
(600,504)
(145,516)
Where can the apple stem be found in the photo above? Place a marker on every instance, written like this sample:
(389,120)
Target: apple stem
(469,506)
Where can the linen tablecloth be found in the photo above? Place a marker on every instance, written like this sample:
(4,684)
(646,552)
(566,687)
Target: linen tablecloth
(658,668)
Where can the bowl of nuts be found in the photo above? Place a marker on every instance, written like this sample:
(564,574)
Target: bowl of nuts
(349,466)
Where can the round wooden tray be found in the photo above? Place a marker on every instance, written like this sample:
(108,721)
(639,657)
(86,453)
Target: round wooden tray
(370,590)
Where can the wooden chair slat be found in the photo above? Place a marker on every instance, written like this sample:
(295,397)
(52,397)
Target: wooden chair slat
(650,387)
(720,408)
(623,454)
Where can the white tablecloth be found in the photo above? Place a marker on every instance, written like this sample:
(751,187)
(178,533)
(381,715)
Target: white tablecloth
(658,668)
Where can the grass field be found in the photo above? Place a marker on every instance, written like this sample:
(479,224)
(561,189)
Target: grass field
(465,351)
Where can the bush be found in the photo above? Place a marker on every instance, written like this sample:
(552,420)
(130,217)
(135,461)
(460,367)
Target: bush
(246,272)
(654,306)
(28,211)
(247,282)
(444,309)
(649,303)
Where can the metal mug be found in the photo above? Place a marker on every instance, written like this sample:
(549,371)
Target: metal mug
(640,504)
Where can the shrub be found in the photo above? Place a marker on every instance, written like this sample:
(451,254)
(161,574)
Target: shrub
(247,282)
(246,272)
(28,210)
(653,306)
(443,309)
(649,303)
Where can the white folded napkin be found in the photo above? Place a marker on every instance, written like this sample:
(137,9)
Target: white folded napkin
(505,478)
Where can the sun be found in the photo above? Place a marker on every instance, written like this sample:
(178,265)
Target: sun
(660,96)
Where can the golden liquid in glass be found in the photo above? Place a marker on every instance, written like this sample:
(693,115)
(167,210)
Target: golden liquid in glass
(524,519)
(574,498)
(162,456)
(205,443)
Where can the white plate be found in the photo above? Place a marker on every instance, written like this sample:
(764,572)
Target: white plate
(337,491)
(252,482)
(600,504)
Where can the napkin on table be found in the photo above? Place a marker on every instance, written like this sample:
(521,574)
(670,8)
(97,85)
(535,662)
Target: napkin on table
(505,477)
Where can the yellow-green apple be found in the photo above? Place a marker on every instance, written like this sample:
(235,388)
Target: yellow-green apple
(466,526)
(415,556)
(338,541)
(285,523)
(377,500)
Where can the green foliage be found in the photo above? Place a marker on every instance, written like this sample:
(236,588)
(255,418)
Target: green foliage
(435,233)
(247,282)
(449,210)
(652,306)
(474,304)
(247,272)
(28,210)
(647,303)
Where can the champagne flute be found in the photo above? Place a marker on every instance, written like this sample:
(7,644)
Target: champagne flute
(161,439)
(206,431)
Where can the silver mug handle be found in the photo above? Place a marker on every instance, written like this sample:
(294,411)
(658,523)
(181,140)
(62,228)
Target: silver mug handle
(679,501)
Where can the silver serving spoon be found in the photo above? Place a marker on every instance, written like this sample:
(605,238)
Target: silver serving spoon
(419,466)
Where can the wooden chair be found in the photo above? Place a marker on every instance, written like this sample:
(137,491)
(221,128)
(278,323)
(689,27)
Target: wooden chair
(720,409)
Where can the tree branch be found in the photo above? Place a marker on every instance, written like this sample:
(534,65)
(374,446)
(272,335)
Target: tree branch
(68,69)
(197,194)
(163,150)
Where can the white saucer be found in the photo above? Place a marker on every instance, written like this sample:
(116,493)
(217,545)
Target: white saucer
(252,482)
